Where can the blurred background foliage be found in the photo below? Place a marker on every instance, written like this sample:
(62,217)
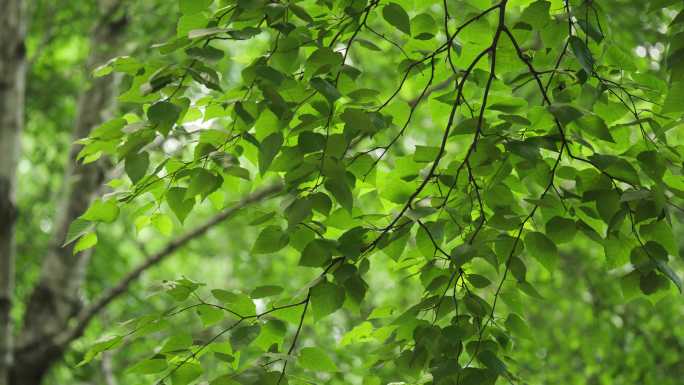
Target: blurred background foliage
(583,331)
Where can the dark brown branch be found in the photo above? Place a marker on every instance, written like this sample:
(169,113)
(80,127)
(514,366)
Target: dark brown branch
(86,315)
(296,336)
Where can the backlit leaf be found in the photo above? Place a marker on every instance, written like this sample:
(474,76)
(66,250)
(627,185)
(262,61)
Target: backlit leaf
(394,14)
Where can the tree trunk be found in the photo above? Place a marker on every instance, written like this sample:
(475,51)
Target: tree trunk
(56,297)
(12,87)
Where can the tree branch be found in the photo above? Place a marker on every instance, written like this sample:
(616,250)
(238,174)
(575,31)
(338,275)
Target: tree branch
(107,371)
(12,91)
(87,314)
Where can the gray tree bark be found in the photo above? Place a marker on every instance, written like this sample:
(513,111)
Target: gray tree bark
(12,89)
(56,297)
(55,315)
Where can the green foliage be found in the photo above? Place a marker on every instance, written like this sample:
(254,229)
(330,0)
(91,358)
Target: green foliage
(483,141)
(316,359)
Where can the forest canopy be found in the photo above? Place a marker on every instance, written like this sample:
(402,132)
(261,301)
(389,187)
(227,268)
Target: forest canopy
(342,192)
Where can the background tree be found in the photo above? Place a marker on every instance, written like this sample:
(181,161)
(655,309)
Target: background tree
(12,88)
(55,51)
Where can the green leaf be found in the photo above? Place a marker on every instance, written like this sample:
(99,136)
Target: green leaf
(272,332)
(616,167)
(634,195)
(163,115)
(526,150)
(660,232)
(420,212)
(316,359)
(85,242)
(326,298)
(271,239)
(246,116)
(565,113)
(359,333)
(210,315)
(323,60)
(268,149)
(476,305)
(188,23)
(669,273)
(561,230)
(270,74)
(266,291)
(466,127)
(77,229)
(518,269)
(180,206)
(356,288)
(194,6)
(381,312)
(300,12)
(674,103)
(298,211)
(244,33)
(177,343)
(208,53)
(291,315)
(652,163)
(543,249)
(181,289)
(238,172)
(326,89)
(518,326)
(102,211)
(341,191)
(582,53)
(463,253)
(492,362)
(478,376)
(226,379)
(424,26)
(590,30)
(595,126)
(186,374)
(100,346)
(237,302)
(478,281)
(394,14)
(125,64)
(151,366)
(528,289)
(425,153)
(244,336)
(537,14)
(357,120)
(163,224)
(311,141)
(136,164)
(629,284)
(352,242)
(155,84)
(202,182)
(317,253)
(651,282)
